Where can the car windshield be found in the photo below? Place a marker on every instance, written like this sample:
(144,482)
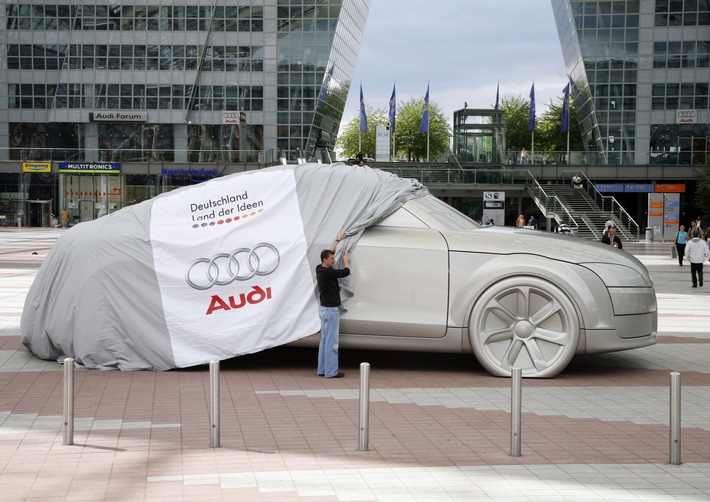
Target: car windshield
(439,215)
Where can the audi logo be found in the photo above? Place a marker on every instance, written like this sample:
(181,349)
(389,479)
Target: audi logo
(239,265)
(230,115)
(687,114)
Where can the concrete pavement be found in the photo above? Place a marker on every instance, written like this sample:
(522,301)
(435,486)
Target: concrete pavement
(439,425)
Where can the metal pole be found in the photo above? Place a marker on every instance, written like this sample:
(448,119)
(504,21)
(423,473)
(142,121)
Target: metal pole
(364,431)
(516,400)
(214,404)
(68,401)
(675,419)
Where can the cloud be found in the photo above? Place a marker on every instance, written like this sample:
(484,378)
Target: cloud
(462,48)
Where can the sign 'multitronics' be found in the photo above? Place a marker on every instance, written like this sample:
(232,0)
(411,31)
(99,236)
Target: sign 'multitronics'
(90,167)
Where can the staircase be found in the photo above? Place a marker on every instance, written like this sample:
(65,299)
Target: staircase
(587,209)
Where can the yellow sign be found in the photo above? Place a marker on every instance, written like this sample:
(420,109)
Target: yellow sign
(36,167)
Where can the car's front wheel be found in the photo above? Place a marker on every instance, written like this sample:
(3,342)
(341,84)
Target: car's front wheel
(524,322)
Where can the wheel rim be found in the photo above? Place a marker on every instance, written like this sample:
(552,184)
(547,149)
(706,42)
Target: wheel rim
(526,323)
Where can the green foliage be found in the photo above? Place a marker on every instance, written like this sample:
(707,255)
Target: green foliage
(409,142)
(517,116)
(702,191)
(349,139)
(550,137)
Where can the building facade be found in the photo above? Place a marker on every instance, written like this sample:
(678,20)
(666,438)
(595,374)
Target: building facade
(87,87)
(640,72)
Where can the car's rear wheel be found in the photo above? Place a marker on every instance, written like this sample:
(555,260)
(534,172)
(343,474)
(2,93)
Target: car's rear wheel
(524,322)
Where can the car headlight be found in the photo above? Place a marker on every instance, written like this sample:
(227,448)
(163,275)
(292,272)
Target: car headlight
(630,290)
(628,301)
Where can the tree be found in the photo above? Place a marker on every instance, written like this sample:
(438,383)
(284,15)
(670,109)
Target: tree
(409,142)
(349,138)
(412,144)
(517,116)
(702,191)
(550,137)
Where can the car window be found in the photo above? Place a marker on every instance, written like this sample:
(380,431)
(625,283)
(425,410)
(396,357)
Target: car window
(402,218)
(429,212)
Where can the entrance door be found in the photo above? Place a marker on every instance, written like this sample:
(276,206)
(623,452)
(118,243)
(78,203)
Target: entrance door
(87,210)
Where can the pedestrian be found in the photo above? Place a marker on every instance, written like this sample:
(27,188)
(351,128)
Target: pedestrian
(577,181)
(701,226)
(695,251)
(524,156)
(681,238)
(327,277)
(532,222)
(520,222)
(693,226)
(611,238)
(563,228)
(65,218)
(609,223)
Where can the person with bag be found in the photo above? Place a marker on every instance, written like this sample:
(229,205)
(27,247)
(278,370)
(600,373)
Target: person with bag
(680,241)
(695,251)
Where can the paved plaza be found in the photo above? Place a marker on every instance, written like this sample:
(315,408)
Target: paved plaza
(439,424)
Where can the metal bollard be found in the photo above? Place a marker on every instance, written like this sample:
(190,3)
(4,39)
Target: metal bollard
(214,404)
(68,401)
(675,419)
(364,431)
(516,401)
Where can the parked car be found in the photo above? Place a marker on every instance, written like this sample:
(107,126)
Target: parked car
(430,279)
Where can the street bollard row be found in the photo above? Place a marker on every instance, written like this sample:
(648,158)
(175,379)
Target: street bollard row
(364,422)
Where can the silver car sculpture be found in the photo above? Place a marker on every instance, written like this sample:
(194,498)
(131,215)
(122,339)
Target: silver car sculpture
(428,278)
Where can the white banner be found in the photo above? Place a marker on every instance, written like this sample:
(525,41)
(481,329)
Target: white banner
(230,256)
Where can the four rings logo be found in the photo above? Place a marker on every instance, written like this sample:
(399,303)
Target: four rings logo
(239,265)
(685,116)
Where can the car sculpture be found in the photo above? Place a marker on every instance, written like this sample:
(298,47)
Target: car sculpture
(226,268)
(428,278)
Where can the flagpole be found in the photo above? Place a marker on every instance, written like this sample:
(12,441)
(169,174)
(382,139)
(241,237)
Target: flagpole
(568,160)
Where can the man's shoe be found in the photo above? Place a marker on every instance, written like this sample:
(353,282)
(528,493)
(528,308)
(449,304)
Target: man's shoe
(339,375)
(701,284)
(321,374)
(695,285)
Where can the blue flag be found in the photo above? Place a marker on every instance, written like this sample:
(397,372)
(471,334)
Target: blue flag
(326,85)
(565,110)
(497,96)
(393,107)
(531,122)
(424,124)
(363,115)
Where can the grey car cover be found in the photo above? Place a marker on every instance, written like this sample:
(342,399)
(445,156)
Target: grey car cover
(205,272)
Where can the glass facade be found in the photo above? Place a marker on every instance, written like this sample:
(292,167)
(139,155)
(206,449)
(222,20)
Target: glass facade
(159,81)
(635,65)
(283,65)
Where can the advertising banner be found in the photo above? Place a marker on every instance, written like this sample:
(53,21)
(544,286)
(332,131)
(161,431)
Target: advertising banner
(231,262)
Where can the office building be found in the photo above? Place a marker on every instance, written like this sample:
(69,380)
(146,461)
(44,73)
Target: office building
(640,72)
(95,94)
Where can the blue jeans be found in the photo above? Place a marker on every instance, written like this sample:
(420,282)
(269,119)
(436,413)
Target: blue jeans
(328,349)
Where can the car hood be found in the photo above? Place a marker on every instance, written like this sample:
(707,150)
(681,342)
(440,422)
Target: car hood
(506,240)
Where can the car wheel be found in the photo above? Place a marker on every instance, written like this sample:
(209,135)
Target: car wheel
(524,322)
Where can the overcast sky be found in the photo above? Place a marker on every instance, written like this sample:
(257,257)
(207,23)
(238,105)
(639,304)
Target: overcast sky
(462,48)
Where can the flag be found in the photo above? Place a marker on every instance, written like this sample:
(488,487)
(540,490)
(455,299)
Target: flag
(326,85)
(393,107)
(531,122)
(497,96)
(424,124)
(565,110)
(363,115)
